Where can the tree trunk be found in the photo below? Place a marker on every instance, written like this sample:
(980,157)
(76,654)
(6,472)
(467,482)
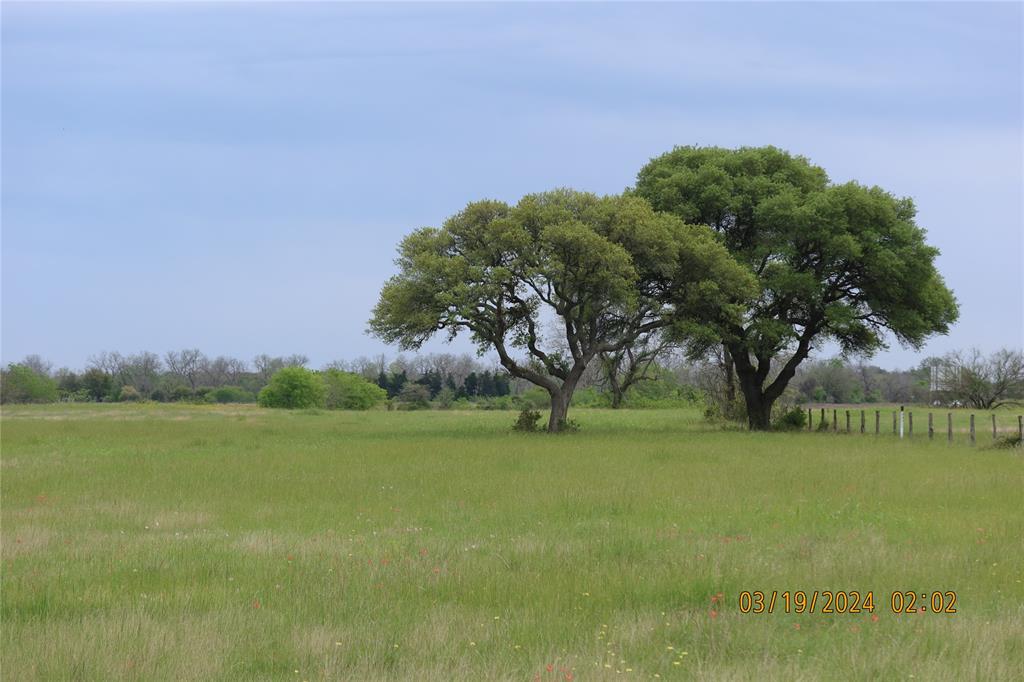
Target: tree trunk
(730,376)
(559,409)
(616,395)
(759,406)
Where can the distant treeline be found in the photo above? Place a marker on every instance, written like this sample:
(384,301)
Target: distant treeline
(191,376)
(452,381)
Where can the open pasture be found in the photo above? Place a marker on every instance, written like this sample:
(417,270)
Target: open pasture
(233,543)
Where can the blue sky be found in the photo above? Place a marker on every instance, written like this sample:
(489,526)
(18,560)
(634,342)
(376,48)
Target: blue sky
(236,177)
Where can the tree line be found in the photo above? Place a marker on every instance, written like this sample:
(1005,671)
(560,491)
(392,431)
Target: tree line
(190,375)
(659,376)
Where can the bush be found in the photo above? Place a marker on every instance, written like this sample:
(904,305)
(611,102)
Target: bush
(97,383)
(21,384)
(445,398)
(1006,442)
(793,419)
(179,393)
(413,397)
(568,426)
(536,398)
(718,409)
(293,388)
(589,397)
(129,394)
(347,391)
(527,421)
(500,403)
(230,394)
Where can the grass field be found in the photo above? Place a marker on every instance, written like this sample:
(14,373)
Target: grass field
(233,543)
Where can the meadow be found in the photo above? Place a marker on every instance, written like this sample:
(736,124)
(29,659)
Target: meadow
(160,542)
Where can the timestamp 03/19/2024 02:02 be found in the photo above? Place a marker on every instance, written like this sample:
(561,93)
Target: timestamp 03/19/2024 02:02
(845,601)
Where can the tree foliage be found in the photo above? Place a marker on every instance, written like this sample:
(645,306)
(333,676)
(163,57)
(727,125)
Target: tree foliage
(983,382)
(608,270)
(839,262)
(293,388)
(347,391)
(24,384)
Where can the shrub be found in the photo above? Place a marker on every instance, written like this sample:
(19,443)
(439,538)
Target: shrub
(179,393)
(589,397)
(347,391)
(230,394)
(500,403)
(568,426)
(21,384)
(527,421)
(293,388)
(1006,442)
(97,383)
(718,409)
(129,394)
(445,398)
(792,419)
(413,397)
(536,398)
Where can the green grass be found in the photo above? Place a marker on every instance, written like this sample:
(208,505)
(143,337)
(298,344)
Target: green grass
(233,543)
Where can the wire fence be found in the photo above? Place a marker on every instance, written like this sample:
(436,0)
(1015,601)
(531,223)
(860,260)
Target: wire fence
(870,422)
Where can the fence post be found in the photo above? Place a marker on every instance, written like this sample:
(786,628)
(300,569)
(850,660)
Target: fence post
(972,429)
(949,425)
(931,427)
(862,421)
(1020,430)
(894,422)
(993,426)
(822,420)
(835,420)
(910,423)
(878,421)
(810,419)
(847,421)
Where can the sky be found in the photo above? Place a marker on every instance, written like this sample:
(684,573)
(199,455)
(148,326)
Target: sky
(235,177)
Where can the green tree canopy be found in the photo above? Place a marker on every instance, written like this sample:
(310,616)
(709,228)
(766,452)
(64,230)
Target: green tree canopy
(348,391)
(293,388)
(839,262)
(604,270)
(22,384)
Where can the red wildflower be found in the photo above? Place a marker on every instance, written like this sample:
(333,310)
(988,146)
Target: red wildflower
(714,614)
(550,667)
(874,617)
(255,603)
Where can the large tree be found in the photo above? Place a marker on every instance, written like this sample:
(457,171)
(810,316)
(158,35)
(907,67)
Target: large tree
(605,270)
(839,262)
(983,382)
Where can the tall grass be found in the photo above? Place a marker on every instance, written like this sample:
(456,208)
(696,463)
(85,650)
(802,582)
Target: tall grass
(233,543)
